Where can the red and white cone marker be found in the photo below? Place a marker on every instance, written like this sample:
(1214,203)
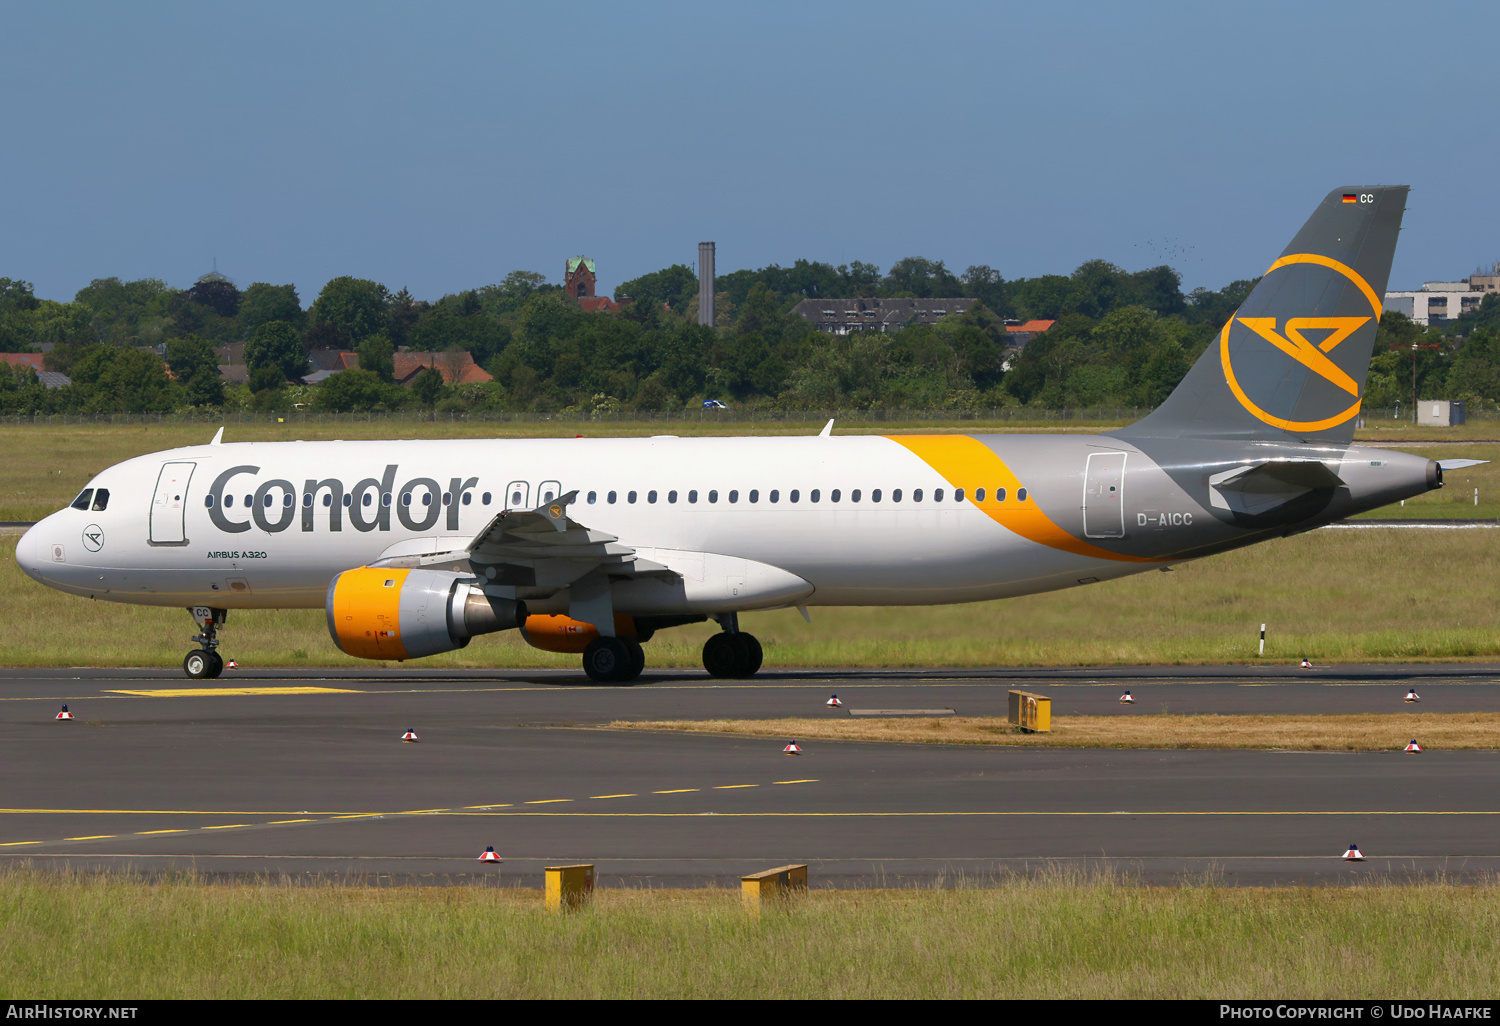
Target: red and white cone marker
(1412,696)
(231,665)
(1413,747)
(65,715)
(489,855)
(1306,664)
(1125,699)
(833,703)
(409,736)
(1354,854)
(792,749)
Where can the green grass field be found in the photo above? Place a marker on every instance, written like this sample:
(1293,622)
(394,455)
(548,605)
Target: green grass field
(1053,936)
(46,466)
(1370,595)
(1332,595)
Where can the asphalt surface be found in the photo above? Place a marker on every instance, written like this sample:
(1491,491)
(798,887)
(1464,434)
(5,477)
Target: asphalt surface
(159,773)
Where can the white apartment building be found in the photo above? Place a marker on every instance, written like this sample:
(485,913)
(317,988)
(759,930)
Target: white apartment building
(1439,301)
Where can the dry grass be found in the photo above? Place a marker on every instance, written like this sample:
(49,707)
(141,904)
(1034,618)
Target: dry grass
(1360,732)
(1055,935)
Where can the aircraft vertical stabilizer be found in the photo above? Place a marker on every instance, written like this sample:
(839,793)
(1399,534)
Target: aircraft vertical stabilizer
(1291,363)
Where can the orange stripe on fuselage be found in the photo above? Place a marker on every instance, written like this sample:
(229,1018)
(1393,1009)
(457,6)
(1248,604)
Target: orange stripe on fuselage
(967,463)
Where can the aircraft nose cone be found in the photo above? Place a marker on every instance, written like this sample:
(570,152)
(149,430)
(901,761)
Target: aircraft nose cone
(26,557)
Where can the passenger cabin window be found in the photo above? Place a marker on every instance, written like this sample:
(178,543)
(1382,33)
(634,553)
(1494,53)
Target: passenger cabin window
(693,495)
(593,498)
(713,495)
(630,498)
(672,496)
(875,495)
(469,497)
(958,495)
(327,501)
(755,495)
(734,495)
(854,495)
(916,495)
(775,495)
(937,495)
(814,495)
(611,497)
(896,495)
(651,496)
(485,498)
(82,502)
(1020,495)
(999,494)
(979,495)
(796,495)
(834,495)
(208,500)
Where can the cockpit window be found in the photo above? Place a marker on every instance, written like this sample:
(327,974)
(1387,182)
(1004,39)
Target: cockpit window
(82,502)
(101,499)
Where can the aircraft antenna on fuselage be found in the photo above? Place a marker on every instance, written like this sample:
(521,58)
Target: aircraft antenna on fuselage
(218,436)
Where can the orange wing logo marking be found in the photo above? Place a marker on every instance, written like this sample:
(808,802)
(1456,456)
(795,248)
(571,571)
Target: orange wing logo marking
(1292,342)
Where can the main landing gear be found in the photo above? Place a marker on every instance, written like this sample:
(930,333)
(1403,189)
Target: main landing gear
(205,662)
(731,653)
(614,660)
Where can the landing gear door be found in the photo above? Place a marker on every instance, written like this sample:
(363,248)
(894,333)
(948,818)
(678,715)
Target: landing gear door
(169,504)
(1104,496)
(517,495)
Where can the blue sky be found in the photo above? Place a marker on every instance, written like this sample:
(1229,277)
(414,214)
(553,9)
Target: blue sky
(440,146)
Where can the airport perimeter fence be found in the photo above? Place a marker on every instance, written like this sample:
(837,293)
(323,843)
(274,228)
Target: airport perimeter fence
(1009,414)
(1102,415)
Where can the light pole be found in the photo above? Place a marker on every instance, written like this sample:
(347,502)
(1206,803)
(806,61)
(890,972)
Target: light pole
(1414,347)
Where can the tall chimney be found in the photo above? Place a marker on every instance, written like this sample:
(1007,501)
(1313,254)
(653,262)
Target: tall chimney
(706,283)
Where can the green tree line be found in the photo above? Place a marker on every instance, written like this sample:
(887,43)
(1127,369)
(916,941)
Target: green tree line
(1119,338)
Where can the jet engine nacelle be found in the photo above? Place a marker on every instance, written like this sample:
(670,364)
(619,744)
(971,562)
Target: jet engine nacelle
(386,613)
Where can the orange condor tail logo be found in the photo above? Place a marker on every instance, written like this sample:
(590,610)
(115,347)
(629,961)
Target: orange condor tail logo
(1312,354)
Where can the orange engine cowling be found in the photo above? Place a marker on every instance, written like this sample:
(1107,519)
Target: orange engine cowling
(386,613)
(564,634)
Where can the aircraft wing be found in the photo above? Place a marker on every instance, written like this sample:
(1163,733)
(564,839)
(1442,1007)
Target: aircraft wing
(541,548)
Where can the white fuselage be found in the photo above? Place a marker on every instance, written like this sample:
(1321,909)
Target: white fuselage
(187,528)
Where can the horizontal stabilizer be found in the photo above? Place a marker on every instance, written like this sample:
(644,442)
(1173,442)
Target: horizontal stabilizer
(1262,487)
(1459,464)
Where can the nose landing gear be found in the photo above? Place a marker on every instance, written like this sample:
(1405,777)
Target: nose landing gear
(205,662)
(732,653)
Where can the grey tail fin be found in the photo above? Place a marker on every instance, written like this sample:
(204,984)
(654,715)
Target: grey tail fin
(1291,363)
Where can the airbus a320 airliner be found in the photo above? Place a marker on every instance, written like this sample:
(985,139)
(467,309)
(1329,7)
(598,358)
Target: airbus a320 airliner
(592,545)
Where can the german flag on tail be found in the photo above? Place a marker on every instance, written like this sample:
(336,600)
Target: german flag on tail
(1350,197)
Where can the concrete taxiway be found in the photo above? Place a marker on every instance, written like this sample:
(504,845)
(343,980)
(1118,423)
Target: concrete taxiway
(303,772)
